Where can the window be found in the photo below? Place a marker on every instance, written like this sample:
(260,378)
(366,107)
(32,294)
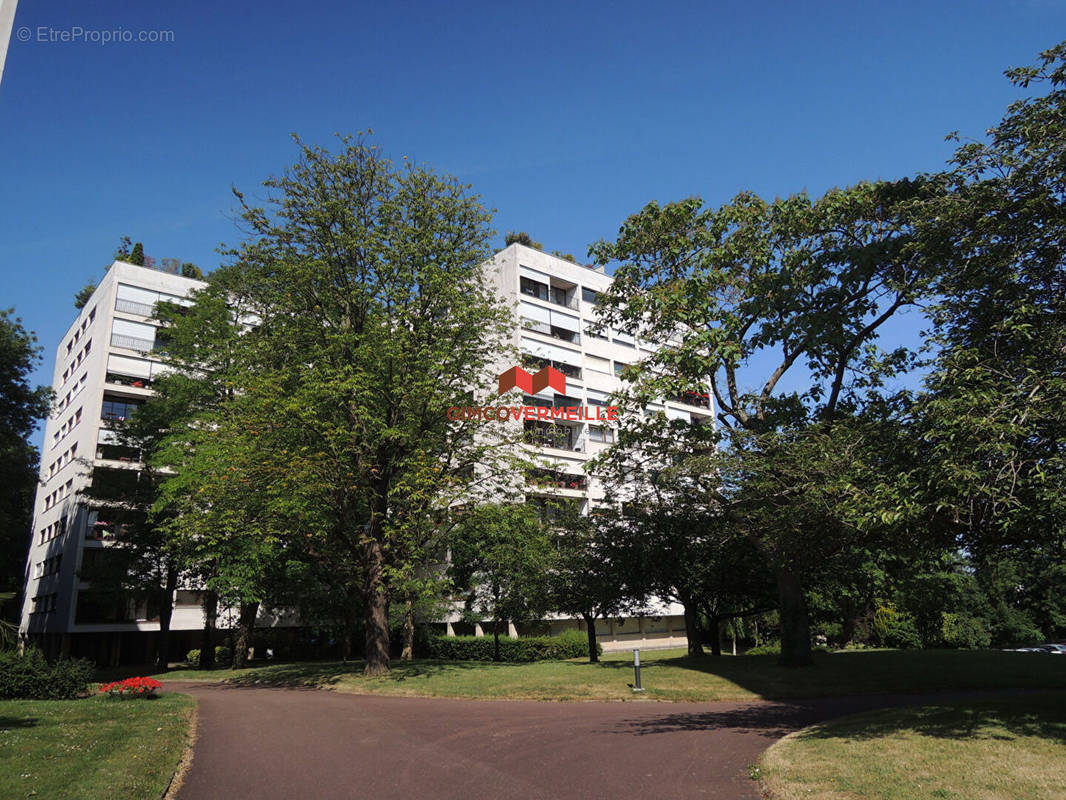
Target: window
(533,288)
(546,434)
(597,364)
(601,434)
(623,339)
(595,334)
(589,295)
(559,296)
(118,409)
(618,367)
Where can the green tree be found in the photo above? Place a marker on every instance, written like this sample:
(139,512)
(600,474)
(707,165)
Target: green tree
(136,255)
(84,294)
(994,415)
(778,305)
(521,237)
(503,556)
(21,406)
(190,270)
(375,316)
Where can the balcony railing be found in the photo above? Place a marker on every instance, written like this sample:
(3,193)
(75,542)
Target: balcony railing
(133,307)
(131,342)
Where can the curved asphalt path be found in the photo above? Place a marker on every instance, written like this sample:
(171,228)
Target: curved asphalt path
(308,743)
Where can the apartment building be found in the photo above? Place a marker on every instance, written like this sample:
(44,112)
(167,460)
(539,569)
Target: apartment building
(104,369)
(555,302)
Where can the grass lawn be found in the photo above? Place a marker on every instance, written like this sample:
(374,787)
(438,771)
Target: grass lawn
(91,749)
(671,675)
(1012,748)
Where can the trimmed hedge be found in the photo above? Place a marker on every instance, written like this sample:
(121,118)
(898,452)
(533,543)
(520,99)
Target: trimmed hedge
(570,644)
(31,677)
(223,657)
(774,649)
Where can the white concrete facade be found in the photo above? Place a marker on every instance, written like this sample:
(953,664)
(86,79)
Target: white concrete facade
(555,304)
(104,367)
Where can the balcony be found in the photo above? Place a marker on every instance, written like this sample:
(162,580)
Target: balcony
(547,434)
(554,479)
(131,307)
(560,295)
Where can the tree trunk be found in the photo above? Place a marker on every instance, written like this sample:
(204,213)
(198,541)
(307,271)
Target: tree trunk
(408,652)
(495,640)
(166,614)
(207,643)
(377,606)
(245,628)
(716,636)
(590,624)
(795,625)
(692,629)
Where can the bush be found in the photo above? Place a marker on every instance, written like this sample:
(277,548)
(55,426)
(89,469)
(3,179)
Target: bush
(223,657)
(773,649)
(571,644)
(131,687)
(892,628)
(31,677)
(964,631)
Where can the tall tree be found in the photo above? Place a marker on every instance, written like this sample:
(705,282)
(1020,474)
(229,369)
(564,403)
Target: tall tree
(21,405)
(778,305)
(504,555)
(375,316)
(994,416)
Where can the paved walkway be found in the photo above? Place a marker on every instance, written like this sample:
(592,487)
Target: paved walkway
(321,745)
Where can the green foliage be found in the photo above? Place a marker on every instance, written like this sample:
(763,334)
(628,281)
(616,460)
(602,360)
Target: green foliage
(136,255)
(521,237)
(21,405)
(223,656)
(964,631)
(30,677)
(190,270)
(84,294)
(771,649)
(892,628)
(570,644)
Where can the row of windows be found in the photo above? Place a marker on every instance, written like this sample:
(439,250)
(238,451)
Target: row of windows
(66,427)
(81,330)
(44,603)
(82,355)
(63,460)
(48,567)
(61,493)
(54,531)
(75,390)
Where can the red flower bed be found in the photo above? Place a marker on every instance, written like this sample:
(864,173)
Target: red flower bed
(131,687)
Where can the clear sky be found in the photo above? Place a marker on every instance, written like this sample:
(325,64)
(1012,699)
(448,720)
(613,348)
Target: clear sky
(566,117)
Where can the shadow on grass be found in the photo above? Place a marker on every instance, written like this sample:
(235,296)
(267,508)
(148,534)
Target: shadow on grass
(769,720)
(10,723)
(1042,716)
(878,672)
(317,675)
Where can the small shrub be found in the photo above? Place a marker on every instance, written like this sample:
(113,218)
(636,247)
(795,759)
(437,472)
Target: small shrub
(892,628)
(31,677)
(772,649)
(571,644)
(964,631)
(223,657)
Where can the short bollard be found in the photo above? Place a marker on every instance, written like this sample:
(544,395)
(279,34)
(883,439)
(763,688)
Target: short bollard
(636,670)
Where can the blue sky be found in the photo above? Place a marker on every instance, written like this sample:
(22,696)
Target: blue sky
(566,117)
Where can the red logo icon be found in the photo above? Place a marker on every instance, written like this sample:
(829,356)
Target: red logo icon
(531,384)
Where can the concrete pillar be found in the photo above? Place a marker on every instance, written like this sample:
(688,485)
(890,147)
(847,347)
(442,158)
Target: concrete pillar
(448,629)
(512,631)
(477,629)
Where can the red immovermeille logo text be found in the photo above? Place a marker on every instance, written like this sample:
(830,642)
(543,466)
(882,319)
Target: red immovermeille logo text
(548,377)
